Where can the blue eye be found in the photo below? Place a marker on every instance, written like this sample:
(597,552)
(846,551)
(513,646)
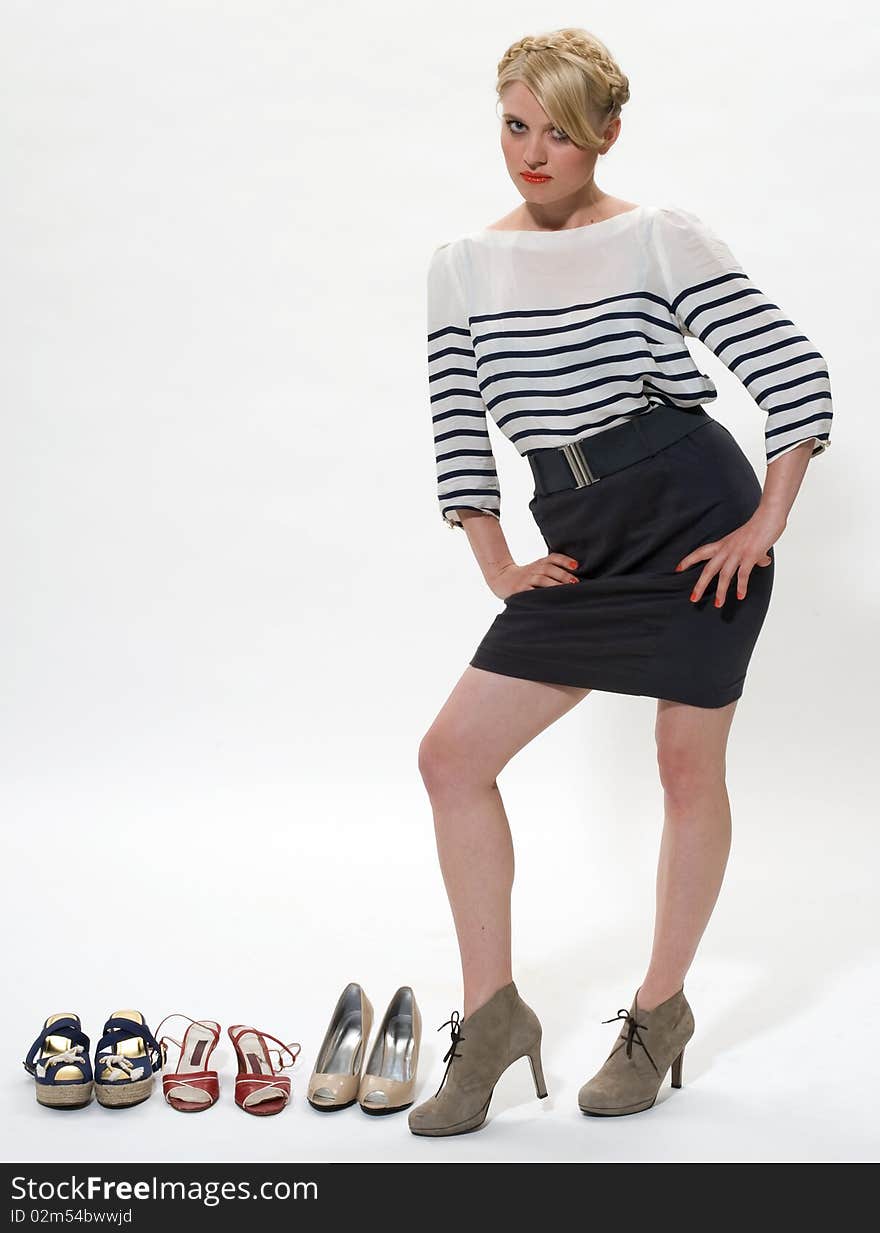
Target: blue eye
(563,137)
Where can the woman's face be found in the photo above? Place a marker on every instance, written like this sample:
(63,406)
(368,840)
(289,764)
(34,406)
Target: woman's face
(543,162)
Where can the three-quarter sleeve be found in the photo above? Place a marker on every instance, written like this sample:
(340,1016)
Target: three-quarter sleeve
(466,474)
(713,299)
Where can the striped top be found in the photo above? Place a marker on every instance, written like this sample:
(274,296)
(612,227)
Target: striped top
(561,334)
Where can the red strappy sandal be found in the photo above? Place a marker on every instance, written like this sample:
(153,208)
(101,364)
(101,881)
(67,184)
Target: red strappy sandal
(260,1088)
(190,1088)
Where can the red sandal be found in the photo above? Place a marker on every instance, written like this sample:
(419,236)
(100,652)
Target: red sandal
(260,1088)
(190,1088)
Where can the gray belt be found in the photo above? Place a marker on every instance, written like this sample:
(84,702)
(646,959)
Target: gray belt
(590,458)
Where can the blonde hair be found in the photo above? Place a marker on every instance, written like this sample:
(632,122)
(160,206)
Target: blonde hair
(573,76)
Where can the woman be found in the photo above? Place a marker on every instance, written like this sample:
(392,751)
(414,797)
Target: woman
(566,322)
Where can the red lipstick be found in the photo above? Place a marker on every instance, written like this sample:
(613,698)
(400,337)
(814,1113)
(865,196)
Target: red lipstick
(533,178)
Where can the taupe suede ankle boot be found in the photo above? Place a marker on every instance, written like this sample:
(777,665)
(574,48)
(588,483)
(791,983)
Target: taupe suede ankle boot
(650,1041)
(483,1046)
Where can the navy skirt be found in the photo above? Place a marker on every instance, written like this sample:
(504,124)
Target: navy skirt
(628,626)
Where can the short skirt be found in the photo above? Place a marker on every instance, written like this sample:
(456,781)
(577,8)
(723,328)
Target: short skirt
(629,626)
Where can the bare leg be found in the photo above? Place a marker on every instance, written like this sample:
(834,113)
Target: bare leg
(484,722)
(691,751)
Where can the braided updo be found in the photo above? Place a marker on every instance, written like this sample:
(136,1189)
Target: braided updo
(573,76)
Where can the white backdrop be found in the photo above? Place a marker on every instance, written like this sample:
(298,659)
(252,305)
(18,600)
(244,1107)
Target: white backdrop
(230,608)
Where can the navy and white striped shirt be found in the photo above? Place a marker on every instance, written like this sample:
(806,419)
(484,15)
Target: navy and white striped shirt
(561,334)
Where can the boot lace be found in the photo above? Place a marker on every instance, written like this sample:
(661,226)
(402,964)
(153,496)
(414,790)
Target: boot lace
(632,1034)
(454,1024)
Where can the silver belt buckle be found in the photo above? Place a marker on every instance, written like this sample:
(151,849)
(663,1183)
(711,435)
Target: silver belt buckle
(578,464)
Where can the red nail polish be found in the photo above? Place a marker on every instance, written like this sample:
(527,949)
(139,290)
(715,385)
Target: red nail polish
(677,568)
(693,595)
(717,603)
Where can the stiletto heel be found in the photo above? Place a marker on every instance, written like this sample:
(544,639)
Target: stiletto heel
(676,1070)
(537,1071)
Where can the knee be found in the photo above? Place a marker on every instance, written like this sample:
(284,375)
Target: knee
(686,772)
(446,765)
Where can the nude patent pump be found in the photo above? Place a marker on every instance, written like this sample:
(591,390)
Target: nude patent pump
(389,1079)
(337,1072)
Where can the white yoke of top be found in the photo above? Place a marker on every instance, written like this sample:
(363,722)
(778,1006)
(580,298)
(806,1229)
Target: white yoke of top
(561,334)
